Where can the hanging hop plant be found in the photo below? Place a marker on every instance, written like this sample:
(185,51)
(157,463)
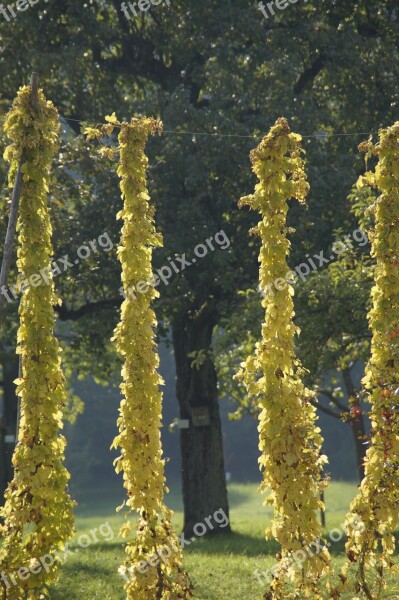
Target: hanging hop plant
(153,567)
(374,513)
(38,512)
(289,441)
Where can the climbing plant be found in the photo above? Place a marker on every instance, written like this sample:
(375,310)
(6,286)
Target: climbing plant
(289,440)
(374,513)
(153,567)
(38,512)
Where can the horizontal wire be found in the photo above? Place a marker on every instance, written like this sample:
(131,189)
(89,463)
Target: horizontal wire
(321,135)
(194,133)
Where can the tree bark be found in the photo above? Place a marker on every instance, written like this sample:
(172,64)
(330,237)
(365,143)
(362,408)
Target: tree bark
(8,423)
(203,474)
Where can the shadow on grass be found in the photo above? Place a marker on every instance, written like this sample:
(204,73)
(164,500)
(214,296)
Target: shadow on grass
(250,545)
(88,570)
(117,544)
(237,497)
(222,544)
(80,572)
(232,543)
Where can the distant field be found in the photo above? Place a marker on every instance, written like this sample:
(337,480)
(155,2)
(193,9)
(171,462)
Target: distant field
(221,568)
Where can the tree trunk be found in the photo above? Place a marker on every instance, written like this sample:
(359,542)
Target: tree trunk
(8,422)
(203,474)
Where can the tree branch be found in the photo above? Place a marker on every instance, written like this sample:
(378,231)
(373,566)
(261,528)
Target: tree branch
(334,399)
(310,74)
(73,315)
(325,409)
(346,376)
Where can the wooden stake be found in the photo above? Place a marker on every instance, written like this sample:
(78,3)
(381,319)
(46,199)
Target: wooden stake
(322,511)
(12,222)
(11,229)
(34,88)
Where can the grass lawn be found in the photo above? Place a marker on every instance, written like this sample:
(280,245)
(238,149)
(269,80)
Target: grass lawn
(221,567)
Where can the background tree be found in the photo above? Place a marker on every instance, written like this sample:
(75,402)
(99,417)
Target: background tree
(329,67)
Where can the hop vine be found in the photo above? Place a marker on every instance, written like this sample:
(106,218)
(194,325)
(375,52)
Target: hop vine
(290,442)
(38,511)
(376,507)
(153,566)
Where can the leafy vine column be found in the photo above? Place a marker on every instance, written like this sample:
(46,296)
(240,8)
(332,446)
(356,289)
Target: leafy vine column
(38,512)
(153,567)
(290,442)
(374,513)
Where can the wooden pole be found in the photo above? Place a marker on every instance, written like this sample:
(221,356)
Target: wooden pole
(322,511)
(12,222)
(9,242)
(34,87)
(11,229)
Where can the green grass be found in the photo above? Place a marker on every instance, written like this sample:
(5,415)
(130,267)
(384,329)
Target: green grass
(221,567)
